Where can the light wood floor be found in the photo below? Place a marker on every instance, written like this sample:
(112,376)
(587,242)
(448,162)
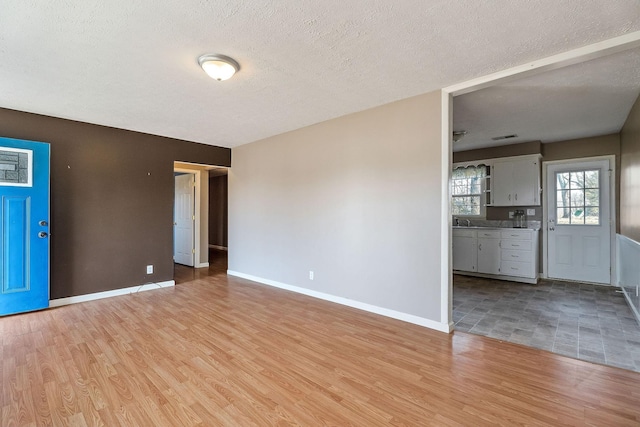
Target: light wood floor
(223,351)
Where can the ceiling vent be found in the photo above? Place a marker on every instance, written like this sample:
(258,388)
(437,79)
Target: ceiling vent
(458,135)
(500,138)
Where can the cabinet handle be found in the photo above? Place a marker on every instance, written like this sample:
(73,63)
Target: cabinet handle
(480,247)
(509,198)
(516,196)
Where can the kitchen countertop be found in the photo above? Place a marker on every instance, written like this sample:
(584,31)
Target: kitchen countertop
(477,227)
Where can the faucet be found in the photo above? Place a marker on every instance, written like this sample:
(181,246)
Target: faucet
(468,222)
(457,221)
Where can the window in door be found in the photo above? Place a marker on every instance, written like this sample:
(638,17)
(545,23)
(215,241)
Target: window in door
(467,191)
(578,197)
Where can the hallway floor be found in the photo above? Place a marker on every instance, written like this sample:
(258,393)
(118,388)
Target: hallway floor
(217,265)
(587,322)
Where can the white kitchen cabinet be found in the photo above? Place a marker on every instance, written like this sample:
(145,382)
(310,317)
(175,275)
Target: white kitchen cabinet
(489,251)
(465,252)
(507,253)
(515,181)
(519,253)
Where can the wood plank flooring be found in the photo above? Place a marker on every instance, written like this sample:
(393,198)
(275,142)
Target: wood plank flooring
(219,351)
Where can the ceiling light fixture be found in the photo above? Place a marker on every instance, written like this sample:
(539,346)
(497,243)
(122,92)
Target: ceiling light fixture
(218,67)
(458,135)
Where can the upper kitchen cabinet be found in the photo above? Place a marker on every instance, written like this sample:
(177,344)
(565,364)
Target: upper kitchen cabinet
(515,181)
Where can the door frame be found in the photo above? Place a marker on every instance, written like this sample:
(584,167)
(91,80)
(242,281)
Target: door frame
(574,56)
(196,228)
(612,210)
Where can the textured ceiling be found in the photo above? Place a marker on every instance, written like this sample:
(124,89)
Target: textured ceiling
(132,64)
(588,99)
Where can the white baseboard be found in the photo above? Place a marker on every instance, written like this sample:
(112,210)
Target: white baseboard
(107,294)
(222,248)
(410,318)
(202,265)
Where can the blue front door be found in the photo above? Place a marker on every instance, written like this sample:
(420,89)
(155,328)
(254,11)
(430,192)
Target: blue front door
(24,226)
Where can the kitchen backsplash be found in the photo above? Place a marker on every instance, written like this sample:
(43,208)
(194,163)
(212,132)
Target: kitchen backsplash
(505,223)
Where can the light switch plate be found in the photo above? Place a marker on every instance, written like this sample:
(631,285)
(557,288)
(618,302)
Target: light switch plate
(531,211)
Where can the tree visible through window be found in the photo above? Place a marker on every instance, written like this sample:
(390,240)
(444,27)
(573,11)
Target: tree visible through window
(467,190)
(578,197)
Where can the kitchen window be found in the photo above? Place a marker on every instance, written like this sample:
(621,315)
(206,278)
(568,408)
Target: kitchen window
(467,191)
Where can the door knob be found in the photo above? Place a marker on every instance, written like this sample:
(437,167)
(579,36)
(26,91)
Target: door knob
(43,223)
(42,234)
(551,228)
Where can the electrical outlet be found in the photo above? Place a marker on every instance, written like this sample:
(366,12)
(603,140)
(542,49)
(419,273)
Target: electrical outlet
(531,212)
(510,214)
(149,269)
(310,274)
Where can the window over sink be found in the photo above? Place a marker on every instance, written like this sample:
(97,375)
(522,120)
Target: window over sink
(467,191)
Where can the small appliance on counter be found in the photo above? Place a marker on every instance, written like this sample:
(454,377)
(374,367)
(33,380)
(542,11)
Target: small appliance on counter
(519,219)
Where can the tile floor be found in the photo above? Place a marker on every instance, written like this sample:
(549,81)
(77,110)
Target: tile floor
(588,322)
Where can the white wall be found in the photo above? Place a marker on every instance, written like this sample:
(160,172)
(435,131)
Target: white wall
(356,199)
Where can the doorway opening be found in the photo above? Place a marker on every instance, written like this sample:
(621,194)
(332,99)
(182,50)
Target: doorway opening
(200,211)
(577,315)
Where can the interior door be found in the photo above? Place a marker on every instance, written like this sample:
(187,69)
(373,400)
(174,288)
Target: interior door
(184,219)
(579,228)
(24,226)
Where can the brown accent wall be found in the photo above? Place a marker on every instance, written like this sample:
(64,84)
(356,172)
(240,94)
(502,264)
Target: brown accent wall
(112,196)
(630,175)
(218,210)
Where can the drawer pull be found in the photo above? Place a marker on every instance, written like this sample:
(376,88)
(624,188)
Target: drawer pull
(514,256)
(513,244)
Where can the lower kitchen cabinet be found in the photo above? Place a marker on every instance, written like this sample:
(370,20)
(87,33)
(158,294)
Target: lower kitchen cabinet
(465,254)
(509,254)
(489,251)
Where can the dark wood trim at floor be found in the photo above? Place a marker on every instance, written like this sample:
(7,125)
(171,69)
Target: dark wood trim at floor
(224,351)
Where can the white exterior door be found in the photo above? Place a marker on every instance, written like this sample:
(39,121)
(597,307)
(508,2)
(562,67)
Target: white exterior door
(578,226)
(183,226)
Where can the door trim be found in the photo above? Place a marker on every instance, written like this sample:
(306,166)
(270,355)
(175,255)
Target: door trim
(196,229)
(612,210)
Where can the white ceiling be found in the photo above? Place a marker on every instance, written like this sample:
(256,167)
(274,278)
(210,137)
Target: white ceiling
(588,99)
(132,64)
